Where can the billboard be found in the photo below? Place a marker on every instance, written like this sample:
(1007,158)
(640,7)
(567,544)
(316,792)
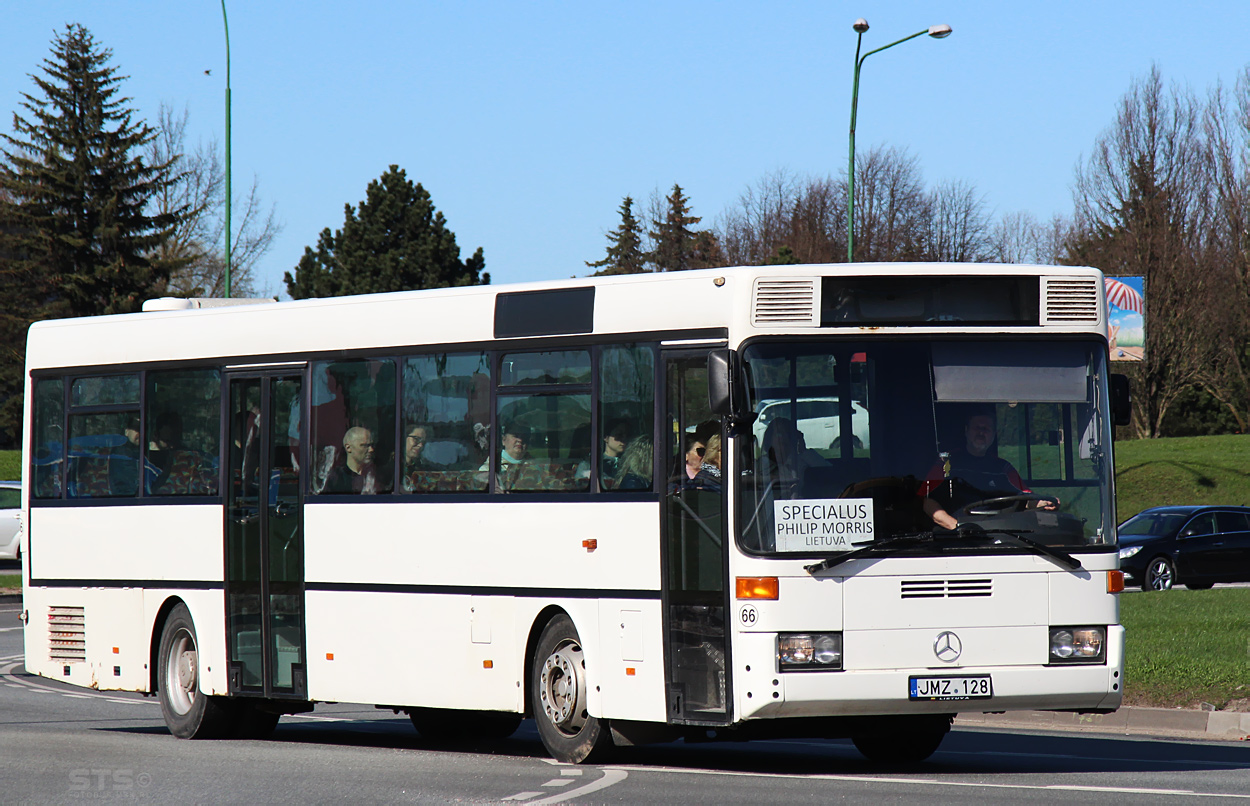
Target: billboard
(1126,324)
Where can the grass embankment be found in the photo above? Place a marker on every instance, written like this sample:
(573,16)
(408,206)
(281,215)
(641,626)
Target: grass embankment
(1187,647)
(1182,470)
(10,465)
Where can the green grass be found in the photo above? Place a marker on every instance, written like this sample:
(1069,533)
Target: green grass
(10,465)
(10,582)
(1186,647)
(1183,470)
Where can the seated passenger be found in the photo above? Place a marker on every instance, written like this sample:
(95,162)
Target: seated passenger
(610,459)
(637,466)
(709,475)
(358,474)
(788,456)
(515,447)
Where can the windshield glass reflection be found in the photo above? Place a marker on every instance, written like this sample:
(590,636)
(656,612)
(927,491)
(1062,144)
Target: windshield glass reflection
(856,443)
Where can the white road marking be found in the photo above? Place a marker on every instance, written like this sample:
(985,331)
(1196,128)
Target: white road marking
(611,777)
(523,796)
(574,771)
(554,782)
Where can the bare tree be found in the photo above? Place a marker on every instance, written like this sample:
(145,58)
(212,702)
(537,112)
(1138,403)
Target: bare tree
(892,209)
(959,227)
(805,217)
(1142,208)
(198,242)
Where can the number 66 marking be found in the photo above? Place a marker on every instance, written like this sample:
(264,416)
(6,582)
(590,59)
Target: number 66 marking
(748,616)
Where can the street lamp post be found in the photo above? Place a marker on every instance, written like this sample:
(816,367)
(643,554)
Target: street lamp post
(861,25)
(229,198)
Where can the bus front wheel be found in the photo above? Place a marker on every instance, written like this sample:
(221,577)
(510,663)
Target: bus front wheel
(567,729)
(189,713)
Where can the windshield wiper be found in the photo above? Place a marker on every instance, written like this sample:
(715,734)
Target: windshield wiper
(895,544)
(890,545)
(1042,549)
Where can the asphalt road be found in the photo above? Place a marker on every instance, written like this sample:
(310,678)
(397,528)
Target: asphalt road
(60,744)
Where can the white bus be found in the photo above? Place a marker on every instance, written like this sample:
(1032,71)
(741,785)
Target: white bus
(478,504)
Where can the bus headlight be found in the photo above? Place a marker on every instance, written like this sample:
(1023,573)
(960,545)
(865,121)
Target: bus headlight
(809,651)
(1129,551)
(1077,644)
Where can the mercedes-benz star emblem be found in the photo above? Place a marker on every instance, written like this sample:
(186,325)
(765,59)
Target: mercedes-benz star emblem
(947,647)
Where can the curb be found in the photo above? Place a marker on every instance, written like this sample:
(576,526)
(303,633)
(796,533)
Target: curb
(10,598)
(1226,725)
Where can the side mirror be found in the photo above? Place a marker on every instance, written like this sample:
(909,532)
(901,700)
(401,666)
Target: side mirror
(1121,400)
(719,382)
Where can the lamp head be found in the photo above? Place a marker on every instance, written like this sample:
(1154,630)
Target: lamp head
(860,25)
(938,31)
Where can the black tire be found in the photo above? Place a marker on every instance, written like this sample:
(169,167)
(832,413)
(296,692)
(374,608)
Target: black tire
(1200,586)
(1160,575)
(189,713)
(451,725)
(558,697)
(909,740)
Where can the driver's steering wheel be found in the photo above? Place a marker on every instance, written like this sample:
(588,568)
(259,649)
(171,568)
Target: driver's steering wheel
(1003,504)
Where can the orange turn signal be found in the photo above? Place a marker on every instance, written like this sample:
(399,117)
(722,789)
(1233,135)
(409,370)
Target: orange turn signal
(1115,582)
(756,587)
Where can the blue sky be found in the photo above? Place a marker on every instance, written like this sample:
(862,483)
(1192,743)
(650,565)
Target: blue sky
(529,121)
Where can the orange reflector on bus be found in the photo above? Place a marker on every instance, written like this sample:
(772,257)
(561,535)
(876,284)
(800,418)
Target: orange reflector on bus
(117,650)
(488,664)
(329,656)
(1115,582)
(629,671)
(590,544)
(756,588)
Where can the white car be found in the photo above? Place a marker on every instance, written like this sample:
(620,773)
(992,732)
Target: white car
(817,420)
(10,519)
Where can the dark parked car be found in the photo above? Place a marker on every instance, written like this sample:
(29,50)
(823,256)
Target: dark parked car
(1193,546)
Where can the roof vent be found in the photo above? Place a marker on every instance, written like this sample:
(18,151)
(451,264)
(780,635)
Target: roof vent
(1071,300)
(785,301)
(180,304)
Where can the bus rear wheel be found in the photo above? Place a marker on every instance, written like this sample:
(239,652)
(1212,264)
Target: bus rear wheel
(908,740)
(189,713)
(559,697)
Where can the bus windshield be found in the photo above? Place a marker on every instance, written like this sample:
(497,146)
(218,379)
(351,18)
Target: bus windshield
(856,442)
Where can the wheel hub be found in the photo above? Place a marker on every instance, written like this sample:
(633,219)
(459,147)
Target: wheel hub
(562,690)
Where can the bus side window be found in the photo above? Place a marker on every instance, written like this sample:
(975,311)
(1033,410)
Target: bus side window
(446,423)
(183,417)
(353,427)
(48,441)
(626,418)
(104,439)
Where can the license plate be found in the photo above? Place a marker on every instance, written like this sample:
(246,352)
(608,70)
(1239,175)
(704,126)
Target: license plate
(970,687)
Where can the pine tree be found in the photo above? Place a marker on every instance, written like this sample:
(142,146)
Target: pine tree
(677,246)
(79,189)
(625,255)
(394,241)
(673,237)
(75,237)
